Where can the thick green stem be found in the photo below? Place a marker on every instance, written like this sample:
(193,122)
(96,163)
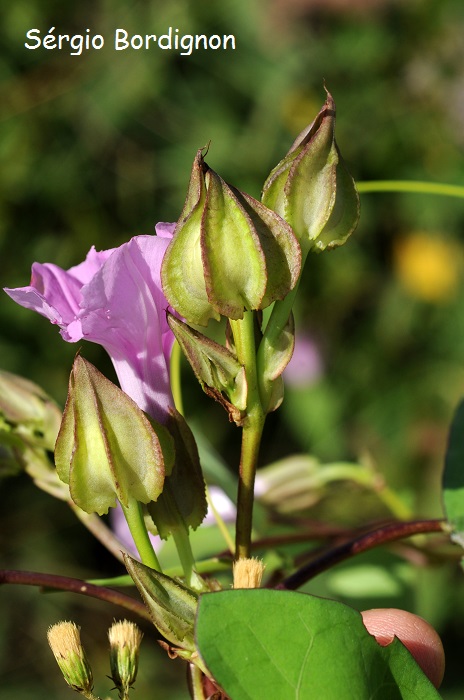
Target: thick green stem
(134,516)
(244,337)
(251,439)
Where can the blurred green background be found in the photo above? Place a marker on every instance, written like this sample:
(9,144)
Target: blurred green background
(98,147)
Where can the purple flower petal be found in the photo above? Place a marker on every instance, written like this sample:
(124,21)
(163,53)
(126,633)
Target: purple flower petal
(114,298)
(124,310)
(165,230)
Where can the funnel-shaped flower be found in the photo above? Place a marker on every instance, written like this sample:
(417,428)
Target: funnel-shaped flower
(230,253)
(114,298)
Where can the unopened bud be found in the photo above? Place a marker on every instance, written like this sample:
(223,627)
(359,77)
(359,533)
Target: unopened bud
(65,642)
(107,449)
(311,187)
(229,253)
(248,573)
(125,639)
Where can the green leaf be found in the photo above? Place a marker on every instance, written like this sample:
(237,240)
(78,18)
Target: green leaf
(453,477)
(291,646)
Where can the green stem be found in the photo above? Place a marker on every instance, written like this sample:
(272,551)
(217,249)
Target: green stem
(207,566)
(251,439)
(90,696)
(184,550)
(244,337)
(196,681)
(415,187)
(134,516)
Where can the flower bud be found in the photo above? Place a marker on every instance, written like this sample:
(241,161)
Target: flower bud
(65,642)
(229,252)
(172,606)
(107,449)
(125,639)
(311,187)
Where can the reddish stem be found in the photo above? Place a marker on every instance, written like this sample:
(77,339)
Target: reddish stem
(376,538)
(74,585)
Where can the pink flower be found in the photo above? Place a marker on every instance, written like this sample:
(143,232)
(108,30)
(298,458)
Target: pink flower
(114,298)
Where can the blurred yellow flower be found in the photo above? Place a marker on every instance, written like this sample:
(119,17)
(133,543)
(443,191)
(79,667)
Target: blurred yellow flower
(428,267)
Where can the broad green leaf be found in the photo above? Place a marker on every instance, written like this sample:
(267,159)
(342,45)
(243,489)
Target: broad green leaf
(283,645)
(453,477)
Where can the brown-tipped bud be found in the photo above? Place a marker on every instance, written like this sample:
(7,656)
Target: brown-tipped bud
(311,187)
(125,639)
(65,642)
(248,573)
(229,253)
(107,449)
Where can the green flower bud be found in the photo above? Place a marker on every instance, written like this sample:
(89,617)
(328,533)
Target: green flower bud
(311,187)
(172,606)
(65,642)
(229,252)
(125,639)
(107,449)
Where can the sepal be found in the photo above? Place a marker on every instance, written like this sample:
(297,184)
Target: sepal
(172,606)
(216,368)
(183,500)
(276,357)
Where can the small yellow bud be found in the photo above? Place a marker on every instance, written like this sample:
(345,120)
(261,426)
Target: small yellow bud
(65,642)
(248,573)
(125,639)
